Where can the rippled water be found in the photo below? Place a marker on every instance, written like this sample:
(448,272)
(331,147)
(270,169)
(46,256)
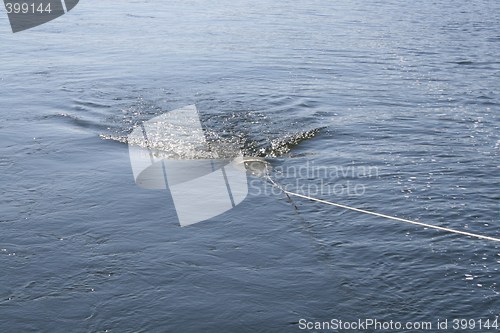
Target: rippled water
(410,90)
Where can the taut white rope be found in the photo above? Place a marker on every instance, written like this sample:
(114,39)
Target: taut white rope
(465,233)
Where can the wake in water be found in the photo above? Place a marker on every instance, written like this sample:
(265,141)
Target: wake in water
(226,135)
(221,147)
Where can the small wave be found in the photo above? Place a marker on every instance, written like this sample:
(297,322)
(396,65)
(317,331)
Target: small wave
(78,121)
(83,104)
(282,146)
(140,16)
(464,62)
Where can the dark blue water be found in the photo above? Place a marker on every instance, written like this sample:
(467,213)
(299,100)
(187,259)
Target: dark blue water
(410,90)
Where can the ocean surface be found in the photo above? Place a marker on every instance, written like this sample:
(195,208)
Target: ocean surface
(403,99)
